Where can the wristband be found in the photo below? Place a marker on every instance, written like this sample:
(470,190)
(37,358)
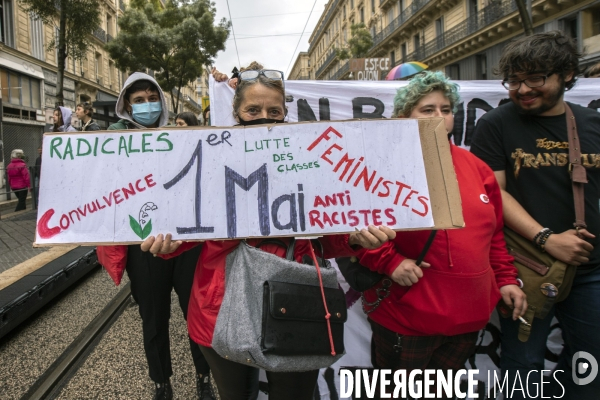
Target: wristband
(539,234)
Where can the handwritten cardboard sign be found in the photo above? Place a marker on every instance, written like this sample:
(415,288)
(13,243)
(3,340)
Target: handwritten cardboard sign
(219,183)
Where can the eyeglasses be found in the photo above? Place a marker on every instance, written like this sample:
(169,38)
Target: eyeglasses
(531,82)
(251,75)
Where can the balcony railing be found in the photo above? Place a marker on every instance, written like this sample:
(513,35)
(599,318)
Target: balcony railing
(323,67)
(303,78)
(109,38)
(100,34)
(472,24)
(341,72)
(404,16)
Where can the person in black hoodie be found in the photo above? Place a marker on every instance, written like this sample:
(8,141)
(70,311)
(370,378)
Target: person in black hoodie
(84,112)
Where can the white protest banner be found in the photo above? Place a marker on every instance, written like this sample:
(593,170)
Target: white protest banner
(279,180)
(342,100)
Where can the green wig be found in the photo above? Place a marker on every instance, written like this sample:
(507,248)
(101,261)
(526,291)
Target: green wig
(421,85)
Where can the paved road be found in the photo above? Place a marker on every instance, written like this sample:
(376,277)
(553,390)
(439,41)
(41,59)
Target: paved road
(17,233)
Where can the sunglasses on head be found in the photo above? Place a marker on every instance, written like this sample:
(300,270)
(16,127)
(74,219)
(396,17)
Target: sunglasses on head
(251,75)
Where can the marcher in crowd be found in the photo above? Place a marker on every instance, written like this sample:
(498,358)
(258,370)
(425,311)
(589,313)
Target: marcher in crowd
(593,71)
(259,98)
(186,119)
(537,70)
(84,112)
(18,177)
(206,116)
(434,310)
(62,120)
(142,104)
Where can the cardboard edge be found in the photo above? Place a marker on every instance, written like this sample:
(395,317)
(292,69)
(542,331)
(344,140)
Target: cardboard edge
(441,177)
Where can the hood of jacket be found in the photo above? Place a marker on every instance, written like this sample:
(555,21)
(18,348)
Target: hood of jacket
(66,117)
(121,111)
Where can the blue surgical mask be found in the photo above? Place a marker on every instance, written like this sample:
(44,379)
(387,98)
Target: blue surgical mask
(146,113)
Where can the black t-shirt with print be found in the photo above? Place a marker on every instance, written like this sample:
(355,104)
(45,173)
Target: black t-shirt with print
(533,150)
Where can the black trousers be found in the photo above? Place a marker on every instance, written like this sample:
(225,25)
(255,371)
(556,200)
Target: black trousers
(22,196)
(152,280)
(240,382)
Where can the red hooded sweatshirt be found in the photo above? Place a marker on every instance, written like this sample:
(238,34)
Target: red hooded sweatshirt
(458,293)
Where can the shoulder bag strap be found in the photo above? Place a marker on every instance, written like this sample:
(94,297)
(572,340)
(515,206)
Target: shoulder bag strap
(576,169)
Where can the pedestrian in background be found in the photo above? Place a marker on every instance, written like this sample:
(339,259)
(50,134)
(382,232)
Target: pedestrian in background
(206,116)
(18,177)
(62,120)
(186,119)
(37,173)
(84,112)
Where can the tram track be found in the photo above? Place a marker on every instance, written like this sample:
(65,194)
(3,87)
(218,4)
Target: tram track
(58,374)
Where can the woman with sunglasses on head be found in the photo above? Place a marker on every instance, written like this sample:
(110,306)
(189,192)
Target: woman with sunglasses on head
(259,99)
(84,112)
(435,310)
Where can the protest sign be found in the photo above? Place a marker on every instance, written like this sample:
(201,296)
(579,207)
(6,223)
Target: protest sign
(278,180)
(342,100)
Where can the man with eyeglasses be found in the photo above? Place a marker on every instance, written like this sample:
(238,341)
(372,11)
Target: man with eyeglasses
(525,143)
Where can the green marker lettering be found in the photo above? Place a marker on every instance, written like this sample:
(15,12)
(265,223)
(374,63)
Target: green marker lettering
(123,145)
(286,142)
(131,149)
(246,147)
(104,144)
(89,148)
(54,143)
(68,150)
(96,146)
(167,141)
(144,143)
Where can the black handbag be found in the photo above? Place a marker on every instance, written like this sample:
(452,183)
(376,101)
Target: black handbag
(293,320)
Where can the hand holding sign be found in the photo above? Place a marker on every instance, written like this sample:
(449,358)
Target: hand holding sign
(160,245)
(371,238)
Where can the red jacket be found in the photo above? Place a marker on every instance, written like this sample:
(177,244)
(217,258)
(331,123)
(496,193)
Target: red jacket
(458,293)
(18,174)
(209,280)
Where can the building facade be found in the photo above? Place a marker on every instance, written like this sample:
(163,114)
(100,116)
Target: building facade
(301,67)
(464,38)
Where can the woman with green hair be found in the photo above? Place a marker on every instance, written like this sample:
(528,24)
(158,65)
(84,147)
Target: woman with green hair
(433,311)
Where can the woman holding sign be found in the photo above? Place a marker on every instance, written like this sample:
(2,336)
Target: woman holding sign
(433,311)
(259,99)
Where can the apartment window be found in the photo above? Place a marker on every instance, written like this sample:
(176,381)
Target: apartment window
(352,4)
(108,24)
(111,73)
(401,5)
(453,71)
(481,66)
(390,15)
(6,23)
(416,42)
(403,52)
(37,37)
(439,26)
(345,35)
(98,67)
(373,31)
(362,15)
(20,90)
(473,7)
(595,21)
(393,58)
(344,11)
(373,6)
